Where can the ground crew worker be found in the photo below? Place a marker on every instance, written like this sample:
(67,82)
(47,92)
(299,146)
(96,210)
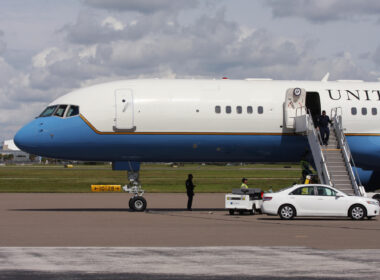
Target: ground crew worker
(323,125)
(305,169)
(244,183)
(190,191)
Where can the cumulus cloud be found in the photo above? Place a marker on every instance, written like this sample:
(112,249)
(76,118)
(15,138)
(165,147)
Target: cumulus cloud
(211,46)
(325,10)
(102,47)
(143,6)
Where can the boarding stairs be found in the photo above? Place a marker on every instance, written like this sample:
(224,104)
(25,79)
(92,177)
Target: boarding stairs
(334,163)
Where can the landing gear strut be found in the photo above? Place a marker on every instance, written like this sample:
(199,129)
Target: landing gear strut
(137,202)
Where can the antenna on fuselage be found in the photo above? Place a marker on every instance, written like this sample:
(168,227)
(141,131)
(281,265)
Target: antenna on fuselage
(326,77)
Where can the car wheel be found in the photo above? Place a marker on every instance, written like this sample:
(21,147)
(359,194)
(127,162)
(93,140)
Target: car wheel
(287,212)
(232,211)
(357,212)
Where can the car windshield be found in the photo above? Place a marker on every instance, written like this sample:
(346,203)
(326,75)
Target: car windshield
(48,111)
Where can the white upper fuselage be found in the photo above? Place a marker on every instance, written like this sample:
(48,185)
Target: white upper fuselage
(189,105)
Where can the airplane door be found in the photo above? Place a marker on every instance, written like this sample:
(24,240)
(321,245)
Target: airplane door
(294,105)
(124,117)
(313,104)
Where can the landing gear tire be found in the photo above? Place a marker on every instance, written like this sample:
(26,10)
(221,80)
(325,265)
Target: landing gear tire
(357,212)
(287,212)
(131,203)
(138,203)
(232,212)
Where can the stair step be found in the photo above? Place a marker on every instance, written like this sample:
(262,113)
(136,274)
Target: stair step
(338,173)
(337,167)
(334,157)
(339,176)
(343,186)
(336,164)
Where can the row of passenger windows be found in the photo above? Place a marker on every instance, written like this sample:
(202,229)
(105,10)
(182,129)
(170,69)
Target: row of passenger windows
(239,109)
(354,111)
(60,110)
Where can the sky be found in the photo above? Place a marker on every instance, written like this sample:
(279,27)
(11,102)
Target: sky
(50,47)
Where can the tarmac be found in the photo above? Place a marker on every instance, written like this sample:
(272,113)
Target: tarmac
(95,236)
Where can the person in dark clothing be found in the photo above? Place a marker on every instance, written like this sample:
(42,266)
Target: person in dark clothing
(305,166)
(190,191)
(323,125)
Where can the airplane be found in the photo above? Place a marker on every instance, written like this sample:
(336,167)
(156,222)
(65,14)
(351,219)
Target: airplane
(222,120)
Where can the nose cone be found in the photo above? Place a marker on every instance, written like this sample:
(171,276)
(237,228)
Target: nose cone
(26,138)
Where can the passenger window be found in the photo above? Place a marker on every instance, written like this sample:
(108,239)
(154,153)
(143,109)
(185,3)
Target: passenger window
(364,111)
(322,191)
(73,111)
(228,109)
(239,109)
(48,111)
(217,109)
(260,109)
(303,191)
(60,111)
(249,109)
(374,111)
(353,111)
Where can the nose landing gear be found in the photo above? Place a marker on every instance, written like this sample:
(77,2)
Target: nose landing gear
(137,202)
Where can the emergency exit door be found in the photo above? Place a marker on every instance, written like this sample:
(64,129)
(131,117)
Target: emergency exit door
(124,117)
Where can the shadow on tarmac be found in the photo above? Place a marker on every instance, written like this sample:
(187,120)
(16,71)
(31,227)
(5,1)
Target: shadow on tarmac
(333,219)
(118,210)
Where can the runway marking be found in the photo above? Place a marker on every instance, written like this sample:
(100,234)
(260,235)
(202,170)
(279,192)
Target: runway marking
(232,262)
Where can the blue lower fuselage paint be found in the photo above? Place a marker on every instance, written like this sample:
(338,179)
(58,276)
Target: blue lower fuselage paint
(73,139)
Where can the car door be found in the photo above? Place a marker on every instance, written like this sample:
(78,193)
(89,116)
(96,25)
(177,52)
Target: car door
(329,204)
(304,199)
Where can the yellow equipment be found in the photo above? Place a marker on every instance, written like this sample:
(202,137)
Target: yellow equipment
(105,188)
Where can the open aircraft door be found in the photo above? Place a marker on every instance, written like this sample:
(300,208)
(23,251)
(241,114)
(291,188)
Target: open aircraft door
(294,106)
(124,117)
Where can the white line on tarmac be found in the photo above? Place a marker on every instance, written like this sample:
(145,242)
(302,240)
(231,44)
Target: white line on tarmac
(207,261)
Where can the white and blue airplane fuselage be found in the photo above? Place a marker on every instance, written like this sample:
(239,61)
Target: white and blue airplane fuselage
(202,121)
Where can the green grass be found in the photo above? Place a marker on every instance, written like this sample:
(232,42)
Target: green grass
(154,177)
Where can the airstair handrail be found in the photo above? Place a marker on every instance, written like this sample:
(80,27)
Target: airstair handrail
(337,111)
(319,159)
(349,160)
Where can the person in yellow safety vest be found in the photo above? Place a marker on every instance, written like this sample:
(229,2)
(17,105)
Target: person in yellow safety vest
(244,183)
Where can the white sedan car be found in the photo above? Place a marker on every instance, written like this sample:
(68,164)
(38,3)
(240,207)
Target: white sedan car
(318,200)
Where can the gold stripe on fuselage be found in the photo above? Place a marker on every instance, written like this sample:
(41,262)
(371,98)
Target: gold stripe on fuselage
(209,133)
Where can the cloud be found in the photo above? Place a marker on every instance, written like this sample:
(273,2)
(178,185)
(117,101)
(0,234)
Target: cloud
(143,6)
(99,47)
(325,10)
(3,45)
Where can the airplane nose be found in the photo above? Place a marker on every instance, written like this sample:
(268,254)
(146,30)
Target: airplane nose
(25,138)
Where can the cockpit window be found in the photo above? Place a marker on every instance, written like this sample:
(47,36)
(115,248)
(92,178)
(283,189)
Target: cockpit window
(73,111)
(60,111)
(48,111)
